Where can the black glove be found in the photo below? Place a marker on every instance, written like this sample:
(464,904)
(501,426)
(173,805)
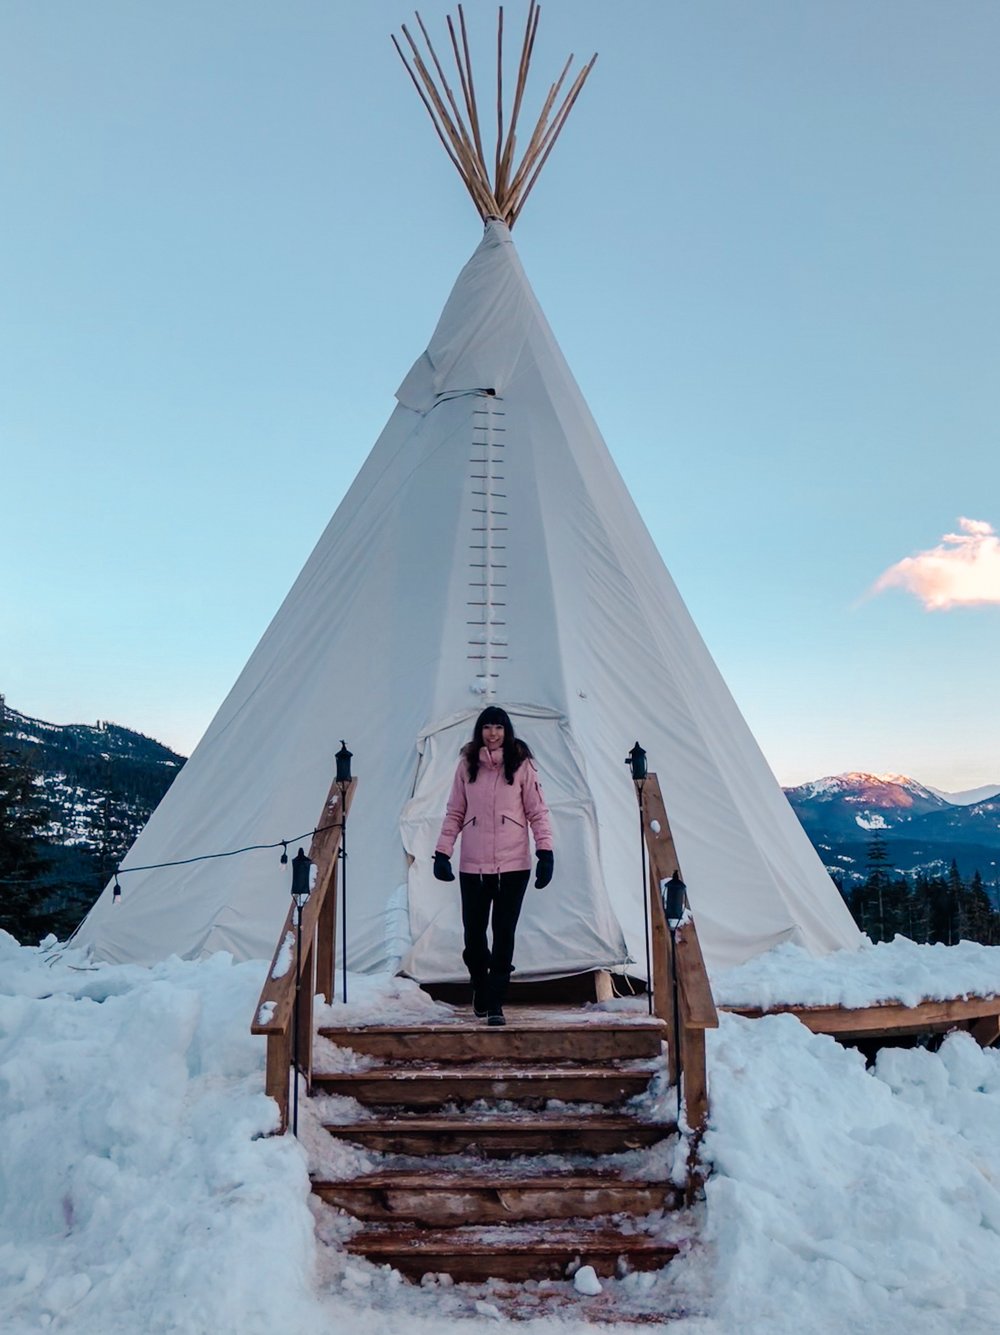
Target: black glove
(543,872)
(442,867)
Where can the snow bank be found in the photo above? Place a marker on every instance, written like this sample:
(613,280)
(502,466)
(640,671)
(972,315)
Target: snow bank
(843,1201)
(138,1190)
(896,970)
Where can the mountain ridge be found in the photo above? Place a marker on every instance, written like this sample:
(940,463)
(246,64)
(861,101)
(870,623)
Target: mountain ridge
(100,784)
(923,830)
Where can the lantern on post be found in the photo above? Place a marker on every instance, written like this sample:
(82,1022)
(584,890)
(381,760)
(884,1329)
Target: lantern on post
(636,761)
(673,892)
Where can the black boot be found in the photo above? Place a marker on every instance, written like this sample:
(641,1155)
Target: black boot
(496,992)
(480,997)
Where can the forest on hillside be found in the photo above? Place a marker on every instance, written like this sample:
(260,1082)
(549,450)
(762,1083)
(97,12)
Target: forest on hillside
(72,800)
(942,909)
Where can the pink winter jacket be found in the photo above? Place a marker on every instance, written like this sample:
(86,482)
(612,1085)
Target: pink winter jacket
(493,816)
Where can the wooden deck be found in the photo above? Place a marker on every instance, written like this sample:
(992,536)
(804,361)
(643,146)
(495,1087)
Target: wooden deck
(980,1016)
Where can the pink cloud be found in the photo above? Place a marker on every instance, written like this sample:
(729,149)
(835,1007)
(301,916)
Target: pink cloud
(963,570)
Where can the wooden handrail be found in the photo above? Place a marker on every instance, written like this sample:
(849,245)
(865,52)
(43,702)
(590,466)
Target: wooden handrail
(696,990)
(696,1005)
(274,1016)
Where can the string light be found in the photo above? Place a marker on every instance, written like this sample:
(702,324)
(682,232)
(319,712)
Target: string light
(116,892)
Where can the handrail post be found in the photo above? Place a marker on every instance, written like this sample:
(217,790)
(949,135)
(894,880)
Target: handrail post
(682,967)
(279,1012)
(325,939)
(303,1057)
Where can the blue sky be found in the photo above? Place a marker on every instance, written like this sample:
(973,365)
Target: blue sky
(767,245)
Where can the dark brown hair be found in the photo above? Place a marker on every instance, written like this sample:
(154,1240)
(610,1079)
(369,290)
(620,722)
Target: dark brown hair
(515,752)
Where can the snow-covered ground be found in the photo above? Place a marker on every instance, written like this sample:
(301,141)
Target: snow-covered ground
(141,1193)
(896,970)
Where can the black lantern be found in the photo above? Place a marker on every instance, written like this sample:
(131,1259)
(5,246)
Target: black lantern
(673,892)
(343,759)
(636,761)
(301,878)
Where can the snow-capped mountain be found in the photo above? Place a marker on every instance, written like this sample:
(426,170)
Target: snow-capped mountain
(923,828)
(99,784)
(849,802)
(92,775)
(970,796)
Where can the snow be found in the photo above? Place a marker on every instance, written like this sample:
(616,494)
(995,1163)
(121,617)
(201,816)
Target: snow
(585,1281)
(873,821)
(285,955)
(969,797)
(845,1201)
(141,1191)
(898,970)
(135,1162)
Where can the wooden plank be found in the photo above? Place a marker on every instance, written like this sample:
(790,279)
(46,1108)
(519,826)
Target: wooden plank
(603,988)
(557,1018)
(663,966)
(695,1086)
(660,846)
(660,842)
(445,1200)
(279,1057)
(307,991)
(698,1004)
(326,932)
(274,1006)
(457,1044)
(501,1136)
(885,1018)
(986,1031)
(410,1087)
(515,1252)
(278,993)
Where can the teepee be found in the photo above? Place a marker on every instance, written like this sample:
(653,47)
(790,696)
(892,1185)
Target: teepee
(487,552)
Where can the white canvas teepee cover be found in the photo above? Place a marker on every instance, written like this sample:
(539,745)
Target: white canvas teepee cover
(488,551)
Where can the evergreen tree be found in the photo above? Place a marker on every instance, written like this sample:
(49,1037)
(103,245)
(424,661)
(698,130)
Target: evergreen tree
(869,900)
(898,916)
(979,917)
(941,928)
(23,817)
(920,911)
(956,905)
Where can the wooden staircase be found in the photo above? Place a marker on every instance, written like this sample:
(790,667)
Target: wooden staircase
(502,1211)
(469,1119)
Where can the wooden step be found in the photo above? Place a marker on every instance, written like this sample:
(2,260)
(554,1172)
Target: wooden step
(447,1199)
(515,1251)
(432,1086)
(520,1040)
(500,1135)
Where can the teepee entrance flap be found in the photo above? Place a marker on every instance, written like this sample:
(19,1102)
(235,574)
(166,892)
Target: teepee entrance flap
(567,928)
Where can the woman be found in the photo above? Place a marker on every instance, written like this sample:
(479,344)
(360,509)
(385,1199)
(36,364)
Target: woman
(495,797)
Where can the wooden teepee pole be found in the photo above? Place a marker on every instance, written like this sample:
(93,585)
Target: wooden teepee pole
(459,127)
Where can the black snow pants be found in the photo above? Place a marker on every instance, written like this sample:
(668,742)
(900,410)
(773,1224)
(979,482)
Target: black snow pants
(502,895)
